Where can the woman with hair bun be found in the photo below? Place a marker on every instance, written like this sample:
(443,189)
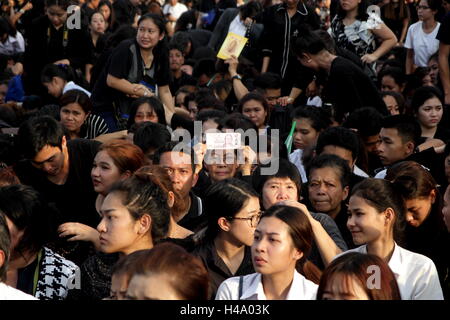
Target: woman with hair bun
(425,230)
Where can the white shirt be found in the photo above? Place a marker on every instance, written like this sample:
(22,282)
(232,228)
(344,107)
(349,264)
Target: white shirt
(13,45)
(252,288)
(73,86)
(381,174)
(10,293)
(175,11)
(423,44)
(359,172)
(416,274)
(296,158)
(237,26)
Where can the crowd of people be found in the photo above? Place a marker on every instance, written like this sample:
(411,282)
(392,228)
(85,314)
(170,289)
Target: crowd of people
(336,187)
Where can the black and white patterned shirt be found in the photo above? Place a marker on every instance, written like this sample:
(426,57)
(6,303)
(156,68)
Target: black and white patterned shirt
(56,276)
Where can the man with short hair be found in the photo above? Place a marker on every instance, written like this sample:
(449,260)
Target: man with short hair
(7,292)
(367,123)
(181,167)
(176,61)
(342,142)
(59,169)
(399,142)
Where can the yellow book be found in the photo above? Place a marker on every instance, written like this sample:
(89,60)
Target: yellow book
(232,46)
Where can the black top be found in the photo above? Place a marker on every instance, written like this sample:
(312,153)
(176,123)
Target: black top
(431,239)
(444,30)
(280,33)
(442,133)
(42,49)
(124,12)
(349,88)
(396,25)
(177,83)
(95,274)
(194,219)
(278,37)
(217,269)
(126,62)
(433,161)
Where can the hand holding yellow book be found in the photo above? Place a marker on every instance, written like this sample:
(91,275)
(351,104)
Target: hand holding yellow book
(232,46)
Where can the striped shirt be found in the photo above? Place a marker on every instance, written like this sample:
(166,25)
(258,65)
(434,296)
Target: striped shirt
(93,127)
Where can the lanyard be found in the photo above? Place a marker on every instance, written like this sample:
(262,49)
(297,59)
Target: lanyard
(36,273)
(65,36)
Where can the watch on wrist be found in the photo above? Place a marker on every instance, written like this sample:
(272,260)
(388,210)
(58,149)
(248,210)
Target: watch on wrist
(236,77)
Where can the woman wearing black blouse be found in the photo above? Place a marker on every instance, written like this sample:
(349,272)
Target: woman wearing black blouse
(137,68)
(52,40)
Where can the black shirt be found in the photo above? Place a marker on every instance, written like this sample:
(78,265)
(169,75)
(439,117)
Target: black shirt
(43,49)
(349,88)
(119,65)
(177,83)
(194,219)
(217,269)
(75,199)
(278,37)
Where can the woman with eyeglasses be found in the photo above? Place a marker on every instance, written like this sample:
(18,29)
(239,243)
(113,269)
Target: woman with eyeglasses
(421,39)
(233,211)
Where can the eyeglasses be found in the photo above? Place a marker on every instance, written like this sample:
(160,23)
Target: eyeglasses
(422,7)
(253,219)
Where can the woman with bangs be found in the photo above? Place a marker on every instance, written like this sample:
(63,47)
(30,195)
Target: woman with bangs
(285,187)
(77,118)
(256,108)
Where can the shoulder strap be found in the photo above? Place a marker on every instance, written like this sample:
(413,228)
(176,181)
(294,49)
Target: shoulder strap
(241,285)
(133,74)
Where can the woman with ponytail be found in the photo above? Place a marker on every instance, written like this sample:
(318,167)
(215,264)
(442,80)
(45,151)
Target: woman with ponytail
(282,241)
(58,79)
(425,230)
(233,211)
(376,219)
